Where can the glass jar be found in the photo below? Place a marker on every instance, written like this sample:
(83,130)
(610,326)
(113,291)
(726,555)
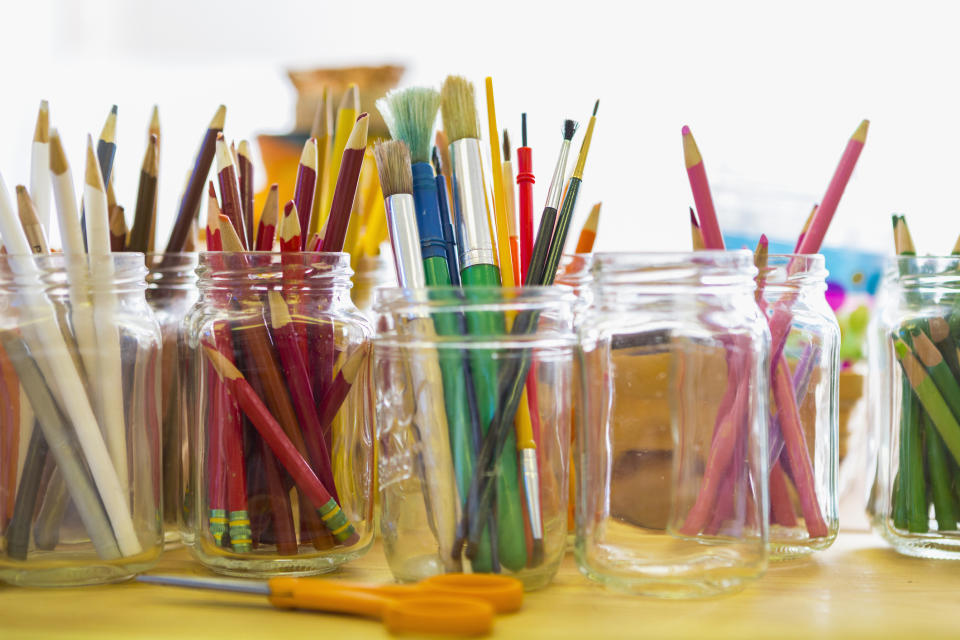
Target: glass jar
(171,293)
(576,272)
(80,427)
(280,436)
(915,407)
(672,439)
(804,376)
(448,387)
(372,273)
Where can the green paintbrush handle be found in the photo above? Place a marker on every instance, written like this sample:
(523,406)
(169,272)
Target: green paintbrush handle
(512,545)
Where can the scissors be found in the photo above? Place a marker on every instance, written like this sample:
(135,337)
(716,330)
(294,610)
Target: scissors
(453,603)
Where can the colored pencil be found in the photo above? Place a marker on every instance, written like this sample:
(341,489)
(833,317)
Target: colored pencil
(289,235)
(40,166)
(230,200)
(803,231)
(190,202)
(696,235)
(144,216)
(703,200)
(813,238)
(118,229)
(588,234)
(109,385)
(321,130)
(289,457)
(306,183)
(349,172)
(245,171)
(267,226)
(30,221)
(347,112)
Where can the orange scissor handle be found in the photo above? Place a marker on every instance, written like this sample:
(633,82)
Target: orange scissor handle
(504,593)
(421,614)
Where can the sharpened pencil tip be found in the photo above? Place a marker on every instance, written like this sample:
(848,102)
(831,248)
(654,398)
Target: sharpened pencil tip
(58,159)
(219,118)
(92,175)
(109,132)
(860,135)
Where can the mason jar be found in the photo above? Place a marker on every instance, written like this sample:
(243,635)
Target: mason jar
(80,425)
(473,390)
(171,293)
(804,420)
(915,407)
(672,438)
(373,272)
(280,434)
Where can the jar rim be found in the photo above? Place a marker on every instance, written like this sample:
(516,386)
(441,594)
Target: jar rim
(390,300)
(707,258)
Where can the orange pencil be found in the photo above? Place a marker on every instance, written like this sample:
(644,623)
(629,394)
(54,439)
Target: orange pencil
(588,234)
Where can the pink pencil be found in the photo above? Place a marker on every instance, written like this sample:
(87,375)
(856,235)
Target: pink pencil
(709,227)
(813,238)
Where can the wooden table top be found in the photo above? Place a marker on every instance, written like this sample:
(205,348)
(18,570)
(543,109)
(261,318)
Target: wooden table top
(858,588)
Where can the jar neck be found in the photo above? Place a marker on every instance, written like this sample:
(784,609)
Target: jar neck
(57,274)
(575,270)
(793,274)
(925,276)
(720,274)
(322,276)
(171,271)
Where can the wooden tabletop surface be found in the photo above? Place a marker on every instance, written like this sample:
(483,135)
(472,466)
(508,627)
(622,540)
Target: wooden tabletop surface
(858,588)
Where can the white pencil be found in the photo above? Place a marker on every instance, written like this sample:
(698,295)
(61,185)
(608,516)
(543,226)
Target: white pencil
(40,167)
(109,383)
(68,218)
(40,330)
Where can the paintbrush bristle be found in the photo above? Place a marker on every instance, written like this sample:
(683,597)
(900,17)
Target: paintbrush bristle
(393,167)
(459,109)
(569,129)
(410,115)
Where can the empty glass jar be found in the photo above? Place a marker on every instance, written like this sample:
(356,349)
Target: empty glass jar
(672,438)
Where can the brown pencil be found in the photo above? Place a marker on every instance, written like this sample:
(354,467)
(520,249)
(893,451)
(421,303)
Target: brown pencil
(230,191)
(118,229)
(245,166)
(346,190)
(190,202)
(144,215)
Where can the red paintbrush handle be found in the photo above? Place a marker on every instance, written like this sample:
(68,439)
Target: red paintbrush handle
(525,182)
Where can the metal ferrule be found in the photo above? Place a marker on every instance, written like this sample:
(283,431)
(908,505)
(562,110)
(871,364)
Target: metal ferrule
(402,225)
(531,488)
(559,172)
(469,199)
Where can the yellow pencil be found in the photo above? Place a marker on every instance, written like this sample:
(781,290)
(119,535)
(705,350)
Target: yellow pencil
(499,205)
(346,117)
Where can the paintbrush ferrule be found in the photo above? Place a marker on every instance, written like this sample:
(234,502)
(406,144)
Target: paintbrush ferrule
(531,489)
(559,173)
(470,204)
(429,222)
(402,226)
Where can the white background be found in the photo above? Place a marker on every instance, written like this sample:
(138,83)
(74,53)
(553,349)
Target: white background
(771,90)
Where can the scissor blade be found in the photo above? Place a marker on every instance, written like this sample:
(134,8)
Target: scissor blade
(215,584)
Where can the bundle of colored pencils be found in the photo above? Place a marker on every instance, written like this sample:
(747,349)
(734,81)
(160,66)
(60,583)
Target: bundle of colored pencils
(492,422)
(67,435)
(791,466)
(275,381)
(925,345)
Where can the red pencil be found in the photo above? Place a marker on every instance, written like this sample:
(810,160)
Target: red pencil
(298,383)
(213,221)
(290,228)
(709,227)
(230,190)
(267,227)
(346,189)
(338,390)
(306,186)
(813,238)
(245,165)
(281,446)
(315,242)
